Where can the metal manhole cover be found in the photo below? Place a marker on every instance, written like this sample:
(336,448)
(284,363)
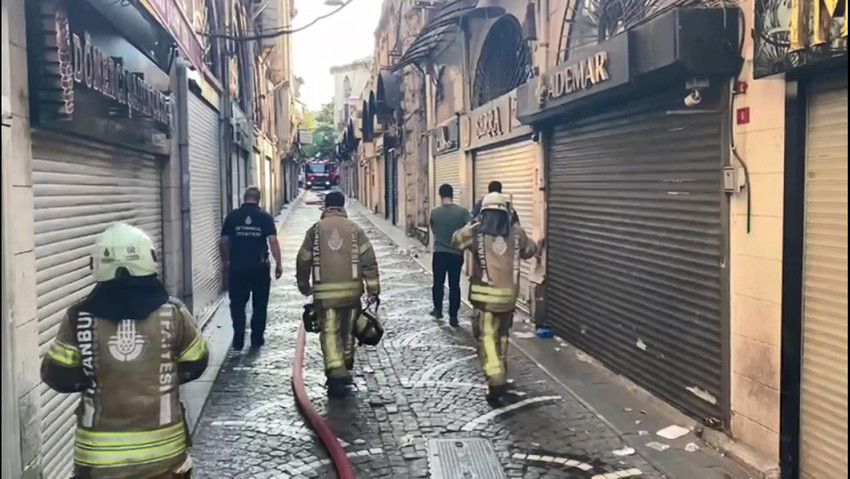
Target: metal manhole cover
(463,459)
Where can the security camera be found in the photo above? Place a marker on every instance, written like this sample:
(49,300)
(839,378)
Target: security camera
(693,99)
(535,137)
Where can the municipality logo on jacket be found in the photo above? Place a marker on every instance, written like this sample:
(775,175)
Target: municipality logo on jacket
(126,344)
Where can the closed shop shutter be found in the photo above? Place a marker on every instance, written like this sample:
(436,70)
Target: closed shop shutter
(824,375)
(513,166)
(80,189)
(205,196)
(447,171)
(636,246)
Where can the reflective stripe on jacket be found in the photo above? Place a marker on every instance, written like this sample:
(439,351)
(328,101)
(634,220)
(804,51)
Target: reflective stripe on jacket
(495,266)
(130,421)
(338,257)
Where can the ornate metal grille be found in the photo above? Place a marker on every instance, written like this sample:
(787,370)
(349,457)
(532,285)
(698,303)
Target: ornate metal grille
(505,62)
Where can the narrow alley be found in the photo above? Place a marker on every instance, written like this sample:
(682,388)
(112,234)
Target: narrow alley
(420,387)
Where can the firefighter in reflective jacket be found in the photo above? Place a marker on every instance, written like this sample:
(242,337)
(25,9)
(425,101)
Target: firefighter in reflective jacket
(339,257)
(497,246)
(127,347)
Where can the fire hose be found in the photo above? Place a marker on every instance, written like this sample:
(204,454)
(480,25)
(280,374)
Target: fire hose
(344,469)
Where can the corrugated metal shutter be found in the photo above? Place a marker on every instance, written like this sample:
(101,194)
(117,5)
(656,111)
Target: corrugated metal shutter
(636,246)
(447,171)
(205,196)
(824,375)
(79,189)
(513,166)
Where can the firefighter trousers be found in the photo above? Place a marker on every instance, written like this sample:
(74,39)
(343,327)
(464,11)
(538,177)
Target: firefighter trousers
(491,330)
(337,338)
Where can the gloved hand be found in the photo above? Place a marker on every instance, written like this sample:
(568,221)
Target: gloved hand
(373,299)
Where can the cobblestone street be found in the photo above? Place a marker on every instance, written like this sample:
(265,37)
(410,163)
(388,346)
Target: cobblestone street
(422,383)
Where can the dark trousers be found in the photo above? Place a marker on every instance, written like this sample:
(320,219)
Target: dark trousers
(253,283)
(447,264)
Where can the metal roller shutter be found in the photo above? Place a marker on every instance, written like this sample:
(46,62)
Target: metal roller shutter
(79,189)
(636,245)
(513,166)
(205,197)
(824,375)
(447,171)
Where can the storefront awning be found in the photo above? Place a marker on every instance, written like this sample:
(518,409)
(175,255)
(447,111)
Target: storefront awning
(439,31)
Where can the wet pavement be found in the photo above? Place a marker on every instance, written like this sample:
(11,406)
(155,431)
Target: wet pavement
(423,383)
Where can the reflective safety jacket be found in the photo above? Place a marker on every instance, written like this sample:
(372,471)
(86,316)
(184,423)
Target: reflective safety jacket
(130,421)
(339,257)
(495,266)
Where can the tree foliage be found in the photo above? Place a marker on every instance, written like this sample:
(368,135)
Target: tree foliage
(324,133)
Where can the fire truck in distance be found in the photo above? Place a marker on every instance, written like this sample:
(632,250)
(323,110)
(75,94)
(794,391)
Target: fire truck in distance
(321,174)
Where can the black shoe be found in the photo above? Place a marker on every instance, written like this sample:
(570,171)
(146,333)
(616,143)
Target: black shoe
(258,342)
(336,387)
(436,314)
(238,346)
(496,393)
(453,322)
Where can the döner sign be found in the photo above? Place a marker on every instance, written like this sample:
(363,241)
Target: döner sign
(579,76)
(106,75)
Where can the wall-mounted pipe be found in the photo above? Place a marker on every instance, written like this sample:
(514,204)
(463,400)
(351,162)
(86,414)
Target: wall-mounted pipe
(182,131)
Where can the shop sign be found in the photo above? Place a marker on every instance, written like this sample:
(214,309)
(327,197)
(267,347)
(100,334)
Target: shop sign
(494,122)
(601,69)
(107,76)
(446,138)
(579,76)
(172,16)
(790,35)
(85,83)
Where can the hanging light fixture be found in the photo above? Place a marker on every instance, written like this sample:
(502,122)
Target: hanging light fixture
(486,9)
(529,25)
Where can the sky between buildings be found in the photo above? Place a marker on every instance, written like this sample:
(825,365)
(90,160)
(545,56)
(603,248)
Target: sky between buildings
(344,37)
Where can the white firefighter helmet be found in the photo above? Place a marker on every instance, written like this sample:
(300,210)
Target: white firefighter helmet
(126,247)
(494,201)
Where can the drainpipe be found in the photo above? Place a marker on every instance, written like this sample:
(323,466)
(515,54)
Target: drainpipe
(543,35)
(183,159)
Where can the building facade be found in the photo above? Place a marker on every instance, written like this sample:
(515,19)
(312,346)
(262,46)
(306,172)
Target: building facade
(690,182)
(119,113)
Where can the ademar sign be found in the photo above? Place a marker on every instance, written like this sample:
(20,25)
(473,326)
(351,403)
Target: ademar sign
(593,72)
(93,81)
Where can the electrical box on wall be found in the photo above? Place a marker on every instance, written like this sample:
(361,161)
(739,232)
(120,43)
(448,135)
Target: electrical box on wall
(733,179)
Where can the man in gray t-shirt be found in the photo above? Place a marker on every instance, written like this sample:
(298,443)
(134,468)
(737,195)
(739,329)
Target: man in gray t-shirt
(447,261)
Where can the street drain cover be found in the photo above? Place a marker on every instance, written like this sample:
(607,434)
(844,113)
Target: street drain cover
(463,459)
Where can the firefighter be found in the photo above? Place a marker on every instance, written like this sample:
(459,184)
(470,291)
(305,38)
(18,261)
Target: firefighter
(127,347)
(339,258)
(497,245)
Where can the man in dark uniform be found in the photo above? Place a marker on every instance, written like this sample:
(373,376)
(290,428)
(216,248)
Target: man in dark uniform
(246,237)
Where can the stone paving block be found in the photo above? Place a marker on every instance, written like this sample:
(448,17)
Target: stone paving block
(423,382)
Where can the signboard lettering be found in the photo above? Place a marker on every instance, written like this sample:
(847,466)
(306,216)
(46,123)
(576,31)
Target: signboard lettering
(824,13)
(489,124)
(174,19)
(446,138)
(493,122)
(106,75)
(579,76)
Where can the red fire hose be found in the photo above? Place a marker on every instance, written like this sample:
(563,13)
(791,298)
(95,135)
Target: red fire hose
(344,469)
